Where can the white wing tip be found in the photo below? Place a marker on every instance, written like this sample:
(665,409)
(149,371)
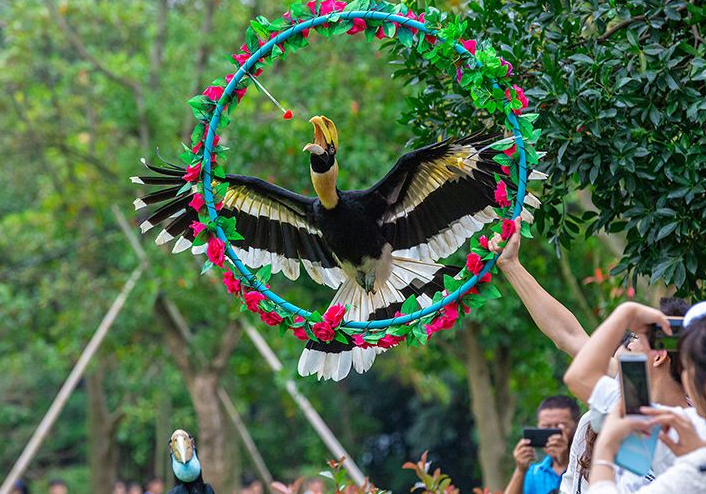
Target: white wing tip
(136,180)
(139,203)
(143,161)
(163,237)
(181,245)
(146,226)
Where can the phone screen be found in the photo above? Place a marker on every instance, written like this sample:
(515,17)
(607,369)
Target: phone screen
(635,391)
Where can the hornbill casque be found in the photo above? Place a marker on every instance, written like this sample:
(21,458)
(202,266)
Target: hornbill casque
(375,246)
(186,465)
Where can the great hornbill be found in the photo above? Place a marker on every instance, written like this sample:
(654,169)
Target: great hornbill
(376,246)
(186,465)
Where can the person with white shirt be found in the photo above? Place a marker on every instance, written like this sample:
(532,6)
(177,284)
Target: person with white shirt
(680,459)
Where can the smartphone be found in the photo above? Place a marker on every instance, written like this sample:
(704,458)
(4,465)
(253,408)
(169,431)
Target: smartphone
(659,340)
(634,382)
(637,450)
(538,437)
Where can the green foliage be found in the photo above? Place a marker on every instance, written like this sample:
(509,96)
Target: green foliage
(619,87)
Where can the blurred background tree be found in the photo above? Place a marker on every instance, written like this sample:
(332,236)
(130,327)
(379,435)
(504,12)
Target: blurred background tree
(91,86)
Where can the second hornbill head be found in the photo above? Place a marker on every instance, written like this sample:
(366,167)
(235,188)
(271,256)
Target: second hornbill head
(185,462)
(324,167)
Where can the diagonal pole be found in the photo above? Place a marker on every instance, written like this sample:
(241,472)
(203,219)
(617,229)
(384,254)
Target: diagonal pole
(305,405)
(70,384)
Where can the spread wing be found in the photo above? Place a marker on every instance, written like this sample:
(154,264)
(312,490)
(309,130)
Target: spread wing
(275,222)
(439,196)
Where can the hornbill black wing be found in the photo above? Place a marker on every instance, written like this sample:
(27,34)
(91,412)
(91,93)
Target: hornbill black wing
(274,221)
(179,489)
(209,489)
(438,196)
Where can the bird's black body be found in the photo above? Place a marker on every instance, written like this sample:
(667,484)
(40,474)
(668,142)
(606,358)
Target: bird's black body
(352,229)
(198,486)
(375,246)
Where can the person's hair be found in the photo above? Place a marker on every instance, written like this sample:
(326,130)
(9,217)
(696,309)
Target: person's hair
(674,307)
(21,486)
(56,482)
(692,349)
(155,479)
(133,484)
(584,460)
(561,401)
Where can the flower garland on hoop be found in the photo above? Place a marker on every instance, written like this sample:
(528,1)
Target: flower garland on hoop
(475,67)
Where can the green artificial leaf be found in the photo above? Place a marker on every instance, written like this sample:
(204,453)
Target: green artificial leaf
(264,274)
(300,11)
(357,5)
(389,29)
(184,188)
(410,305)
(525,230)
(404,35)
(488,291)
(342,27)
(340,337)
(316,317)
(451,284)
(251,40)
(260,29)
(502,159)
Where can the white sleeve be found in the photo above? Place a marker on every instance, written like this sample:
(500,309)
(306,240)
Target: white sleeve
(605,394)
(684,477)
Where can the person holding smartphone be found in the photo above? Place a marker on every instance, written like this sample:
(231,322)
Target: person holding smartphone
(560,413)
(684,429)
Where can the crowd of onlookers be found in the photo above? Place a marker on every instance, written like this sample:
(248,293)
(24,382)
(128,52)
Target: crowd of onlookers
(655,449)
(58,486)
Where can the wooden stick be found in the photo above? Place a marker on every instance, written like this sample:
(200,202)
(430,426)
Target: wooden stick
(305,405)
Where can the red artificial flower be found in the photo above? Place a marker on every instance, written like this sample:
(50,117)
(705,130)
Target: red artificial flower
(193,173)
(511,150)
(231,282)
(630,292)
(214,93)
(505,169)
(360,342)
(380,33)
(271,318)
(334,315)
(474,263)
(239,93)
(299,332)
(485,278)
(323,331)
(445,320)
(197,202)
(508,229)
(216,251)
(197,227)
(501,195)
(469,45)
(483,241)
(520,96)
(459,74)
(358,26)
(388,341)
(252,300)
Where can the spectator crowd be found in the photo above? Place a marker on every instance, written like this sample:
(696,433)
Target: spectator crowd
(657,449)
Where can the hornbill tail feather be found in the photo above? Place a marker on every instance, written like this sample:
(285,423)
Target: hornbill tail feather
(333,360)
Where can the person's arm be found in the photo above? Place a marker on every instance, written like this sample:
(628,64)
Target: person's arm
(524,456)
(592,362)
(551,317)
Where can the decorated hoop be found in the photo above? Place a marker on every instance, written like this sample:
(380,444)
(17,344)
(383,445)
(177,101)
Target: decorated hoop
(479,71)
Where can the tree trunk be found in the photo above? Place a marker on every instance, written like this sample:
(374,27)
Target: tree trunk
(492,434)
(102,446)
(216,447)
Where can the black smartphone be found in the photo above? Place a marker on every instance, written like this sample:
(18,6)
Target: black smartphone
(634,382)
(659,340)
(538,437)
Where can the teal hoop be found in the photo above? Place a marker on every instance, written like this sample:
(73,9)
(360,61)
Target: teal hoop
(208,191)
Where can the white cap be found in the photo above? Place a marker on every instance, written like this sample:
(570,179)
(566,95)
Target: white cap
(697,311)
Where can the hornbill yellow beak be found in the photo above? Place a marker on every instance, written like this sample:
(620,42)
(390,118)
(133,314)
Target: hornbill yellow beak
(325,136)
(181,446)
